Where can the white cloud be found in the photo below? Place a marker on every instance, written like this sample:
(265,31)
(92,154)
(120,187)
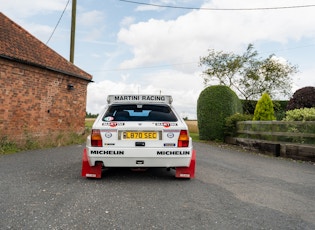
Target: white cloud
(159,41)
(190,35)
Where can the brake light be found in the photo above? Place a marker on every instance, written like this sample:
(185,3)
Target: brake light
(96,138)
(183,139)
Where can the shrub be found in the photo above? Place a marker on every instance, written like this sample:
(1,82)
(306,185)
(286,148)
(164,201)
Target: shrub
(249,106)
(264,109)
(230,128)
(7,146)
(305,114)
(302,98)
(215,103)
(280,109)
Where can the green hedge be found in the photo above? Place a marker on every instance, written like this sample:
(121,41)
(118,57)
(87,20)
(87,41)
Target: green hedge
(215,104)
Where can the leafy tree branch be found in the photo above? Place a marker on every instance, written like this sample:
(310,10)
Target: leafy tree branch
(248,74)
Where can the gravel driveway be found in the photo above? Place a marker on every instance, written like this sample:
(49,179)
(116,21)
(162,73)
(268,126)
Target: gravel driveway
(43,189)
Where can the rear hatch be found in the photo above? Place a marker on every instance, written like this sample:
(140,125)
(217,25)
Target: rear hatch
(142,134)
(141,125)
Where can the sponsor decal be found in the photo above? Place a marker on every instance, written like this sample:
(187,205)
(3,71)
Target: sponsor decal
(90,175)
(126,97)
(165,124)
(173,152)
(107,152)
(139,98)
(113,124)
(153,98)
(169,144)
(186,175)
(108,119)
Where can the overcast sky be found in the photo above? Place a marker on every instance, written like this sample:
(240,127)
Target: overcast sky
(135,48)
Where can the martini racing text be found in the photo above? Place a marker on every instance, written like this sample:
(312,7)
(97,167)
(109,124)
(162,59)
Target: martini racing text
(139,98)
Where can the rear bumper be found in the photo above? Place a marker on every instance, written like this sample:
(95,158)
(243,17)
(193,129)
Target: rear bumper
(140,157)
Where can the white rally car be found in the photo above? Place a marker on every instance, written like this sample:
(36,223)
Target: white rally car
(139,131)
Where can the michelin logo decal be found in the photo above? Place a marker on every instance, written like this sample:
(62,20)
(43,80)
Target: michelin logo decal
(173,152)
(101,152)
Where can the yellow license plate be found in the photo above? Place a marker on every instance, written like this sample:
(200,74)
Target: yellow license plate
(140,135)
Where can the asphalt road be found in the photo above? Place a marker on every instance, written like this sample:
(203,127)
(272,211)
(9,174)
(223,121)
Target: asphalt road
(43,189)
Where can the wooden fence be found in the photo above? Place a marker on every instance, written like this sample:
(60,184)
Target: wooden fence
(300,132)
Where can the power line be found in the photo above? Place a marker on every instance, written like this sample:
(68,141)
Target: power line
(218,9)
(58,22)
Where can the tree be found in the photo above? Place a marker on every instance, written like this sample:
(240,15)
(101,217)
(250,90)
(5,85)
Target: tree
(302,98)
(264,109)
(248,74)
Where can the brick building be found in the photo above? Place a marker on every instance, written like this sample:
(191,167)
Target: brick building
(41,93)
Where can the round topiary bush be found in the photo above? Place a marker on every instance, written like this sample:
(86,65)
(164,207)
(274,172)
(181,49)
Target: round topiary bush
(215,103)
(302,98)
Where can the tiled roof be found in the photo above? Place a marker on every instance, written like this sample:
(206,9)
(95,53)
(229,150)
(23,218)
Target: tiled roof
(19,45)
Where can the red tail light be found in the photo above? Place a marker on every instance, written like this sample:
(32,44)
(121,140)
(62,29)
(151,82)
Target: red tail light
(183,139)
(96,138)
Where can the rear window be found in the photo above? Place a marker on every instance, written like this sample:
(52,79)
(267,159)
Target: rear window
(139,112)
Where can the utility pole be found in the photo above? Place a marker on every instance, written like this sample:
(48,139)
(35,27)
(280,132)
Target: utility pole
(72,39)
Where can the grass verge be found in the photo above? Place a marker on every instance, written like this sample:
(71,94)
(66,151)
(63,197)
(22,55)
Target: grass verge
(30,143)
